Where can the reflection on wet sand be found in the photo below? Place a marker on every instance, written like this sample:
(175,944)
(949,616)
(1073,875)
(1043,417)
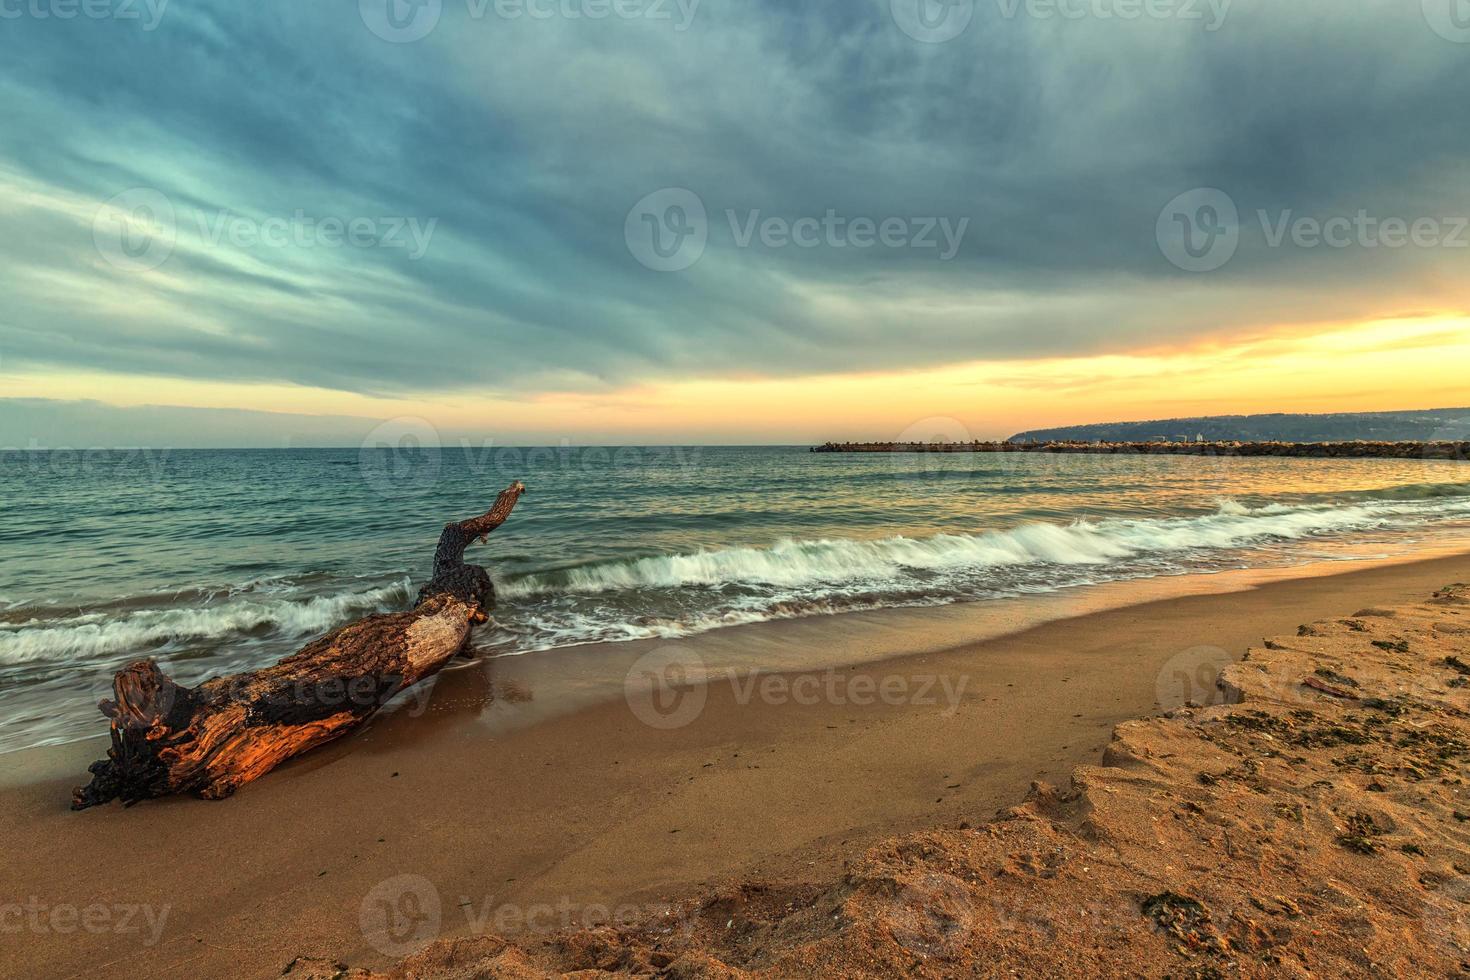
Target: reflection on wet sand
(501,694)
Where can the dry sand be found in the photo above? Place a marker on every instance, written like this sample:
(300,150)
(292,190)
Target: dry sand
(764,834)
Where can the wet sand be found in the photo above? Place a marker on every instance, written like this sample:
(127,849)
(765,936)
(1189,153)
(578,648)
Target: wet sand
(519,787)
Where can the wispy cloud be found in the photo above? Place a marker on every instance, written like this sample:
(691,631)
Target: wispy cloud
(523,142)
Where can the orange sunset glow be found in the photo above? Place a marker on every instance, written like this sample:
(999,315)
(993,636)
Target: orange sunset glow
(1409,362)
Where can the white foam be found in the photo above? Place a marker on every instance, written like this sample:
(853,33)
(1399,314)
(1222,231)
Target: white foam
(793,564)
(94,635)
(788,579)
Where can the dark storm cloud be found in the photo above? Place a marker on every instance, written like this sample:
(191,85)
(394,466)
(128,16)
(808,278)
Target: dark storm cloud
(526,141)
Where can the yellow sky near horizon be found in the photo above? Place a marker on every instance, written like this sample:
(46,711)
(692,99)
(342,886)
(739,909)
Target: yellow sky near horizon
(1409,363)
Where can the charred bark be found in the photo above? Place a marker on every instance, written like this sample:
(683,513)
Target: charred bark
(212,739)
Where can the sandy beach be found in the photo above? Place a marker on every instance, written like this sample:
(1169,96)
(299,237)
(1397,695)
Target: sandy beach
(529,794)
(1311,825)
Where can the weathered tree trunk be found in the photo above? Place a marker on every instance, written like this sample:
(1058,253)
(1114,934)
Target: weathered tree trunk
(212,739)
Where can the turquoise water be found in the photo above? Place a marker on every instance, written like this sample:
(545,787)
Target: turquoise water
(215,561)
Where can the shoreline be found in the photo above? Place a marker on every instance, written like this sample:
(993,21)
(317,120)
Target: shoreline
(583,675)
(926,540)
(774,788)
(1313,824)
(1358,449)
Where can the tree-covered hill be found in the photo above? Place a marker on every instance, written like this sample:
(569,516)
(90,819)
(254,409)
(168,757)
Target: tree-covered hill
(1427,425)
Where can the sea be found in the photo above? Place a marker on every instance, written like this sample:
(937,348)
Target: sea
(214,561)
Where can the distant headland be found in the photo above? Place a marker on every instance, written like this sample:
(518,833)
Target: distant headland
(1309,450)
(1436,433)
(1424,425)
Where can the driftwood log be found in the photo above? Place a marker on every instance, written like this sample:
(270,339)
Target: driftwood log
(212,739)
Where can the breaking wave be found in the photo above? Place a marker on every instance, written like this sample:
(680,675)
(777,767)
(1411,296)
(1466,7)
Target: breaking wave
(800,564)
(100,634)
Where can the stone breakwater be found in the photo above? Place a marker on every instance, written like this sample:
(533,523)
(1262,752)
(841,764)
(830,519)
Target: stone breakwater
(1308,450)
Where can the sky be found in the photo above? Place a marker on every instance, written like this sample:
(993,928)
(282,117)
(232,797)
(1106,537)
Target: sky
(687,221)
